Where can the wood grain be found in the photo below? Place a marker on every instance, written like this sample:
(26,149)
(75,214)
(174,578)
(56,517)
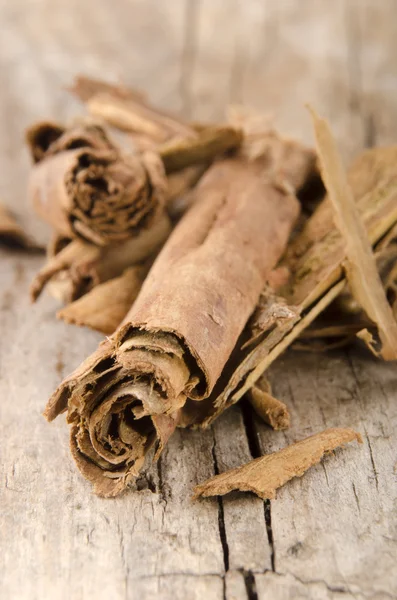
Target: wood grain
(329,535)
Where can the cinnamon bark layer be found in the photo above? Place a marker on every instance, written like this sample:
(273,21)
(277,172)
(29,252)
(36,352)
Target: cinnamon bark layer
(74,267)
(106,305)
(186,321)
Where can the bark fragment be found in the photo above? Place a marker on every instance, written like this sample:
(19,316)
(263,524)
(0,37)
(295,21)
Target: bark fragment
(264,475)
(106,305)
(270,409)
(78,266)
(361,270)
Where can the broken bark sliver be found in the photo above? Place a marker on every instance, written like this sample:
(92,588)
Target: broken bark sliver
(264,475)
(106,305)
(271,410)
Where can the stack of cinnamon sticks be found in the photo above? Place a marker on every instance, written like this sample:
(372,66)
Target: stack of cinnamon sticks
(193,249)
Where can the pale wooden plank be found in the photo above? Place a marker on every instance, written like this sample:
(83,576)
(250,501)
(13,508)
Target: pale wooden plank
(178,586)
(276,57)
(61,541)
(56,530)
(272,586)
(235,586)
(338,520)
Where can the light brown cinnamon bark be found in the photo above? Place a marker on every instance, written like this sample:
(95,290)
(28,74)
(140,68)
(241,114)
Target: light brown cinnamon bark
(211,142)
(361,269)
(77,266)
(127,110)
(264,475)
(270,409)
(340,324)
(106,305)
(188,317)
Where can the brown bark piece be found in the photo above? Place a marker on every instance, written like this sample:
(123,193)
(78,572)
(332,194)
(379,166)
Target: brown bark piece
(125,110)
(209,143)
(106,305)
(47,138)
(188,316)
(270,409)
(79,266)
(264,475)
(86,87)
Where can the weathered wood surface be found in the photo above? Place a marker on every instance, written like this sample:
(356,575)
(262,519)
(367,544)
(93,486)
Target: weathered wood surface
(329,535)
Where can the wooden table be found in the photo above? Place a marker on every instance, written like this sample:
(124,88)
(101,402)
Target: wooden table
(329,535)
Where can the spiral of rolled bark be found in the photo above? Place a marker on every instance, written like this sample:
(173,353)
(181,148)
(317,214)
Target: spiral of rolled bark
(99,196)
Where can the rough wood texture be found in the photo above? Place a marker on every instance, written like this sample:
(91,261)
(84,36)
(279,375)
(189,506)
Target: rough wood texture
(329,535)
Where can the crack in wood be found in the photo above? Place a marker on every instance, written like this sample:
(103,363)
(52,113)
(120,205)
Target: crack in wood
(372,460)
(269,530)
(325,472)
(356,497)
(250,585)
(221,515)
(255,450)
(160,489)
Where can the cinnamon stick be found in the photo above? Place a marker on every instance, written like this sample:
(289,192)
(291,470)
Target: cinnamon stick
(127,110)
(169,349)
(98,196)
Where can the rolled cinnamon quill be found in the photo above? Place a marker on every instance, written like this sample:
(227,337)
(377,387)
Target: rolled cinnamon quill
(98,195)
(181,330)
(84,185)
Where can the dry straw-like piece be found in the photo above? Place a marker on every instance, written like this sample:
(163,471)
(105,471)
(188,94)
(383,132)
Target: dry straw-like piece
(361,269)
